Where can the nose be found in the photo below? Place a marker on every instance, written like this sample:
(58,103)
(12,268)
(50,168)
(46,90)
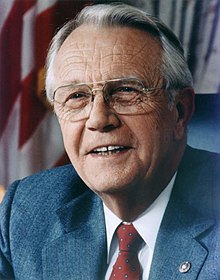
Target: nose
(101,117)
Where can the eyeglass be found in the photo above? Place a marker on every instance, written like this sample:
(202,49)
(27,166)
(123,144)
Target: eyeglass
(126,96)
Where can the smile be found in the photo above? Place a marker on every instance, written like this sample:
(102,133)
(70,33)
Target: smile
(109,150)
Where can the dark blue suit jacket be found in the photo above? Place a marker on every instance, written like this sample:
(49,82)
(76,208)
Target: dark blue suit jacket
(52,226)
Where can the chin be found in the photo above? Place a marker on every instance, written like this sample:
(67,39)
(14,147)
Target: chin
(112,187)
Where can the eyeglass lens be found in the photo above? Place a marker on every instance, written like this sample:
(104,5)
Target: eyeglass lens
(124,96)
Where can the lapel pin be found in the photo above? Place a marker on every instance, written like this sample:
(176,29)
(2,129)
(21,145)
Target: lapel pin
(184,267)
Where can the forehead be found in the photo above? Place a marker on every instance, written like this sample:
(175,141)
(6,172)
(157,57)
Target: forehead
(90,54)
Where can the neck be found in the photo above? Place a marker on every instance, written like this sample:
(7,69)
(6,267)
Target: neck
(129,204)
(125,206)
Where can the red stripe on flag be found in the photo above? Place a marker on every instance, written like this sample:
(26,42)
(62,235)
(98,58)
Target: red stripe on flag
(32,109)
(45,29)
(49,20)
(10,59)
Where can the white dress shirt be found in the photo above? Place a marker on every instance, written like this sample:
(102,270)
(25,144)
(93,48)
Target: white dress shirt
(147,225)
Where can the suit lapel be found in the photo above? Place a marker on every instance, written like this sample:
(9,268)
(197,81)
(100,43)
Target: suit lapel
(187,222)
(80,253)
(179,244)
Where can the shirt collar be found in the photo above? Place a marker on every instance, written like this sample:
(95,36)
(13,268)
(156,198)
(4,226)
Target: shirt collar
(147,224)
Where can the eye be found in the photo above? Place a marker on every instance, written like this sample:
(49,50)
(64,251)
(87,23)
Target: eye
(125,89)
(76,95)
(77,100)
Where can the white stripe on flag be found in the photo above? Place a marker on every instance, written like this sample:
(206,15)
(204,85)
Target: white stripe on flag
(9,163)
(43,149)
(27,51)
(43,5)
(38,152)
(5,8)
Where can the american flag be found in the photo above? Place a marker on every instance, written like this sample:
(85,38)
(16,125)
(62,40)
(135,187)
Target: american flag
(30,138)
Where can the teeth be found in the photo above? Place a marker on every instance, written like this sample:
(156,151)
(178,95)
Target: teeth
(112,148)
(102,149)
(108,148)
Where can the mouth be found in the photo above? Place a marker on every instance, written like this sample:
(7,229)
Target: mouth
(109,150)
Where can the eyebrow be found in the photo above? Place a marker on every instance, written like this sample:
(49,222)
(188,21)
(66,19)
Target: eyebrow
(72,82)
(78,82)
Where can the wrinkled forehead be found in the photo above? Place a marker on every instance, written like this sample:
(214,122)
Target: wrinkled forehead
(90,54)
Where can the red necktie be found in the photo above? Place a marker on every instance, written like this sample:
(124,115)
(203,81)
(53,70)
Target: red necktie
(127,265)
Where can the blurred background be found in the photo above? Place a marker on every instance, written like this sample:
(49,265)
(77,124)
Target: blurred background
(30,139)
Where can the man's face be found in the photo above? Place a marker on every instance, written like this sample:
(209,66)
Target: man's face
(142,146)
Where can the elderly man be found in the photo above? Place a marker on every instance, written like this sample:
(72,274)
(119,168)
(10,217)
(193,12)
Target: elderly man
(136,203)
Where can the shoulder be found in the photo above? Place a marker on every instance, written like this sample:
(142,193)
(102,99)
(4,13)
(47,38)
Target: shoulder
(57,182)
(200,163)
(28,213)
(40,194)
(197,154)
(198,180)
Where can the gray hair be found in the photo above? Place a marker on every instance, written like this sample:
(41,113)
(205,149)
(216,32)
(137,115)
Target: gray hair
(174,68)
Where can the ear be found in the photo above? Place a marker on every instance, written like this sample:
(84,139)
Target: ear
(184,108)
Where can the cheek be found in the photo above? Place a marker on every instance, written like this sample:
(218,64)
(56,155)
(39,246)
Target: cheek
(155,130)
(71,134)
(162,119)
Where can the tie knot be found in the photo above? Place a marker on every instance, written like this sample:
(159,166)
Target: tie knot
(128,238)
